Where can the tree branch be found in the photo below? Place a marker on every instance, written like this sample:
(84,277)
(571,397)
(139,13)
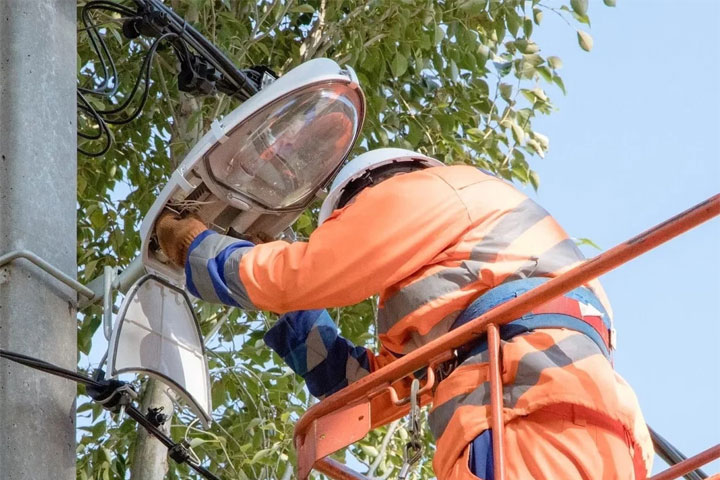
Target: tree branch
(383,448)
(307,50)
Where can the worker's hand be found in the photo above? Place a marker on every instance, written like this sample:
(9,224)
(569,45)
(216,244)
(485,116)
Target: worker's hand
(175,234)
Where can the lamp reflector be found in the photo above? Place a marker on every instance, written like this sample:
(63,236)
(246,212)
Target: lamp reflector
(280,155)
(156,333)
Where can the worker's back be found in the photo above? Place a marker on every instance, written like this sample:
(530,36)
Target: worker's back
(498,235)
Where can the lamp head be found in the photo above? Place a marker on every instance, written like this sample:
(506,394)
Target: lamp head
(255,171)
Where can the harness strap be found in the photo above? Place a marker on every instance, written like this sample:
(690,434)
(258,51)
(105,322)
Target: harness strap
(578,310)
(578,413)
(572,307)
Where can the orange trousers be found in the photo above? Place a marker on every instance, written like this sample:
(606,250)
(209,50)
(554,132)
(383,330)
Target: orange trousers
(548,445)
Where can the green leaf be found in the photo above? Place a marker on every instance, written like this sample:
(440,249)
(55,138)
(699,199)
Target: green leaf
(260,455)
(610,3)
(89,270)
(303,8)
(559,82)
(585,40)
(505,91)
(526,46)
(540,94)
(503,68)
(555,62)
(369,450)
(537,15)
(474,132)
(535,146)
(473,7)
(512,20)
(303,222)
(399,64)
(581,18)
(534,180)
(197,441)
(543,140)
(586,241)
(439,34)
(527,27)
(579,6)
(415,134)
(454,72)
(518,133)
(545,73)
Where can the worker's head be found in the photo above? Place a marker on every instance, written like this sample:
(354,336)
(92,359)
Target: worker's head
(369,169)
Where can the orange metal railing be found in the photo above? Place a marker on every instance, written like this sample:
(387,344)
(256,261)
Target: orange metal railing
(348,415)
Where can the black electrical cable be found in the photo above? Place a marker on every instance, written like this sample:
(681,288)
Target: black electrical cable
(102,130)
(100,47)
(102,117)
(131,410)
(146,68)
(108,69)
(47,367)
(210,51)
(206,70)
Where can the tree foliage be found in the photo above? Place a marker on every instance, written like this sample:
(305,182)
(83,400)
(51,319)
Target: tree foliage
(460,80)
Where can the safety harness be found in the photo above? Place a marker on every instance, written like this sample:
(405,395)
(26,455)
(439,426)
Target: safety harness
(578,310)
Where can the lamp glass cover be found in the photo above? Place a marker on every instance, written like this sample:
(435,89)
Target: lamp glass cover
(282,153)
(156,333)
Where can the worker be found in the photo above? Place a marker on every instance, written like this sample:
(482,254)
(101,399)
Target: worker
(440,245)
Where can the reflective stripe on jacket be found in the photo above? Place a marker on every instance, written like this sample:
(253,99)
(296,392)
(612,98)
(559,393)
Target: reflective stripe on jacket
(428,242)
(539,369)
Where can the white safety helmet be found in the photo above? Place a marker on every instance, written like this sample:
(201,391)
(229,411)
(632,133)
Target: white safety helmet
(364,164)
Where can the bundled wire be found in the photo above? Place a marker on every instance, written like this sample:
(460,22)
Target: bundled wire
(179,452)
(152,18)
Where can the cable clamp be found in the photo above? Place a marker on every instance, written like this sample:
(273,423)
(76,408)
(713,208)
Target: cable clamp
(113,395)
(179,177)
(181,453)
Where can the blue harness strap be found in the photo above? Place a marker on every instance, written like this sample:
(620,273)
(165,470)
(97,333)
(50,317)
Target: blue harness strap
(531,321)
(481,451)
(481,456)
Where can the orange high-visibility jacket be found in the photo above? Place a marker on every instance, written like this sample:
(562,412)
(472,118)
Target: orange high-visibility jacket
(429,243)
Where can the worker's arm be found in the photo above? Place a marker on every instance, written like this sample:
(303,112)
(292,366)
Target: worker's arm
(389,232)
(309,342)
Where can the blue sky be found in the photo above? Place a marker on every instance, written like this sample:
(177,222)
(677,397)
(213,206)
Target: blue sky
(634,142)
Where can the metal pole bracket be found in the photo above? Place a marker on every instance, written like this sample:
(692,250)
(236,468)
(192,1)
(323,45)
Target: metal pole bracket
(48,268)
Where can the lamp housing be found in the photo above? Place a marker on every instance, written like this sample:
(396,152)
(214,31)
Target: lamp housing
(258,168)
(157,333)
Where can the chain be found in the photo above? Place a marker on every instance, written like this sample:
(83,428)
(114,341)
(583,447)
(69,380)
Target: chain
(414,446)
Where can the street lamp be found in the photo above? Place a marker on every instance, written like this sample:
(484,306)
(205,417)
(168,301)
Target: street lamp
(253,173)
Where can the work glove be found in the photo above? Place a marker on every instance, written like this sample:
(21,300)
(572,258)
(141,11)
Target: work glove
(175,234)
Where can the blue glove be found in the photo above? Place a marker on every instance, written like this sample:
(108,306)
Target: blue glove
(309,342)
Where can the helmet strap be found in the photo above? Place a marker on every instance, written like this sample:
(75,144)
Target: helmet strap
(374,176)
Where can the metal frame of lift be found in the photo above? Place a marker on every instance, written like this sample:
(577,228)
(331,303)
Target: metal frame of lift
(348,415)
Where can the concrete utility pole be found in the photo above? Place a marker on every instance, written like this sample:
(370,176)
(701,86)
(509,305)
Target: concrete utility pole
(150,461)
(37,212)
